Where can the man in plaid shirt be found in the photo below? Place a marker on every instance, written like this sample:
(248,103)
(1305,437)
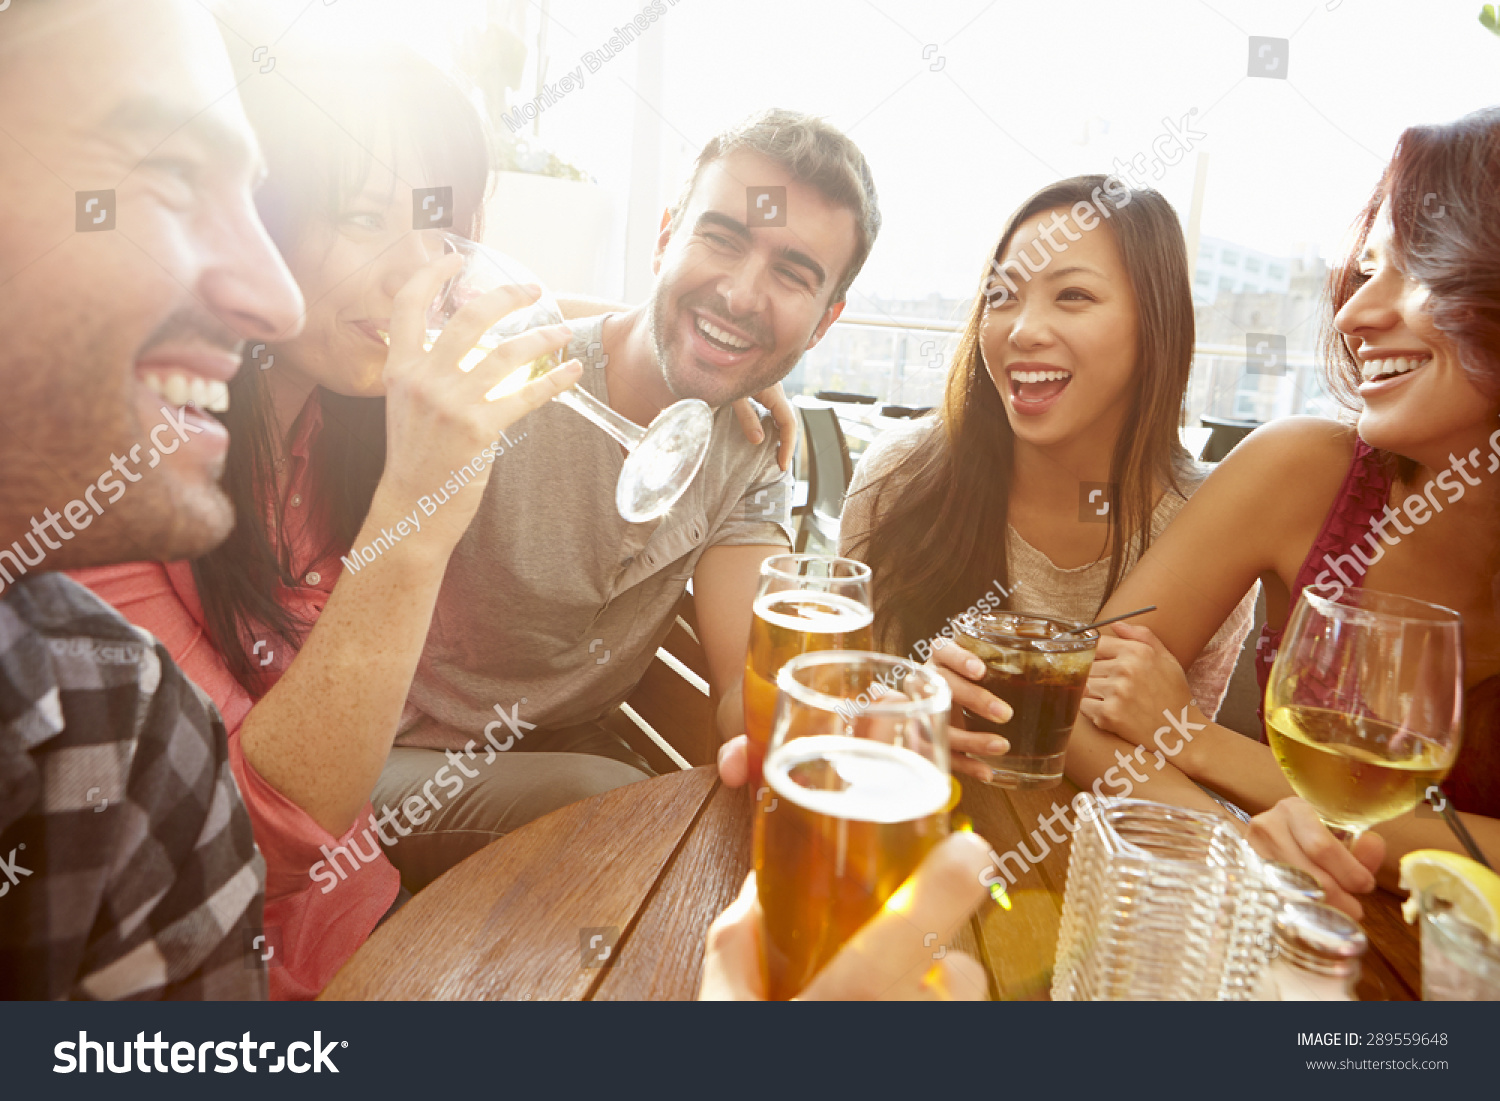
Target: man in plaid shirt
(133,269)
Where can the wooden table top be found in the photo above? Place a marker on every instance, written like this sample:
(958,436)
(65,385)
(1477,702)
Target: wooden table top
(611,899)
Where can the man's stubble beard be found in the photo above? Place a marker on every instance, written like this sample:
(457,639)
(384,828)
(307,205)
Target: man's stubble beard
(60,424)
(763,378)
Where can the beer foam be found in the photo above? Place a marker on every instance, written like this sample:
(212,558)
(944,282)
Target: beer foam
(886,783)
(829,613)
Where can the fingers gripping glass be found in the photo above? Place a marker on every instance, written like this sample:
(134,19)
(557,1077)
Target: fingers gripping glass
(1364,705)
(1040,668)
(663,459)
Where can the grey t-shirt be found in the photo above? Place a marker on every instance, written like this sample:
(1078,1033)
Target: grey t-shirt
(553,606)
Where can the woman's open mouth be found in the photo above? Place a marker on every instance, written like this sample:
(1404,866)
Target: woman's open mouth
(1035,389)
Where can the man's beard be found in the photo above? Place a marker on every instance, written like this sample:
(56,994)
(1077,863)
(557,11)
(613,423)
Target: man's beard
(72,385)
(764,375)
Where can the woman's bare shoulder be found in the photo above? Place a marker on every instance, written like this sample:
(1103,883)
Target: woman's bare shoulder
(1296,462)
(1303,432)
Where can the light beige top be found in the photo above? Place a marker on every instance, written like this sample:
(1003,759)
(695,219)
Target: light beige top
(1040,588)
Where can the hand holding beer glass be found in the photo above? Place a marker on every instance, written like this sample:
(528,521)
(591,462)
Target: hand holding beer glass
(943,892)
(857,793)
(805,602)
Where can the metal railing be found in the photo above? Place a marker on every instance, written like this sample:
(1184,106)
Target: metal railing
(904,361)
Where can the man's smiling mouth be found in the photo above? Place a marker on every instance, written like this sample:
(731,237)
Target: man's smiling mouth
(181,389)
(721,338)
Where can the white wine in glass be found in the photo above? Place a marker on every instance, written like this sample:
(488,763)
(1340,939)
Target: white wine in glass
(1364,706)
(662,460)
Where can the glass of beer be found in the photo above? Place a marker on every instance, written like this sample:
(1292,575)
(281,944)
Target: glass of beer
(1034,664)
(1364,705)
(857,793)
(805,602)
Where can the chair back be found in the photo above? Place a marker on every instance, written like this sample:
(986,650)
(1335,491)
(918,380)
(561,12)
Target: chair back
(829,472)
(1226,434)
(673,700)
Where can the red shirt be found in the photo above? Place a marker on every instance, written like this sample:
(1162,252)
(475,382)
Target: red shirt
(1474,782)
(318,922)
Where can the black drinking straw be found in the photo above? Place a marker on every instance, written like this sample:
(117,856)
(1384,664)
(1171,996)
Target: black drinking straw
(1111,619)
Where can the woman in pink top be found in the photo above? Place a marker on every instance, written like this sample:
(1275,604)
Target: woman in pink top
(310,667)
(335,437)
(1406,501)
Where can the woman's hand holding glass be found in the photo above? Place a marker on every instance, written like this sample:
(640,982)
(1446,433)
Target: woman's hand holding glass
(1134,684)
(437,418)
(961,670)
(1293,833)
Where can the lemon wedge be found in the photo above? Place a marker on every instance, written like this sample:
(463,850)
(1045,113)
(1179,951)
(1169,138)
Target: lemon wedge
(1467,884)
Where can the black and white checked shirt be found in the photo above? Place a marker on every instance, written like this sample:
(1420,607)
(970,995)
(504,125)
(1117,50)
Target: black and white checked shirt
(127,864)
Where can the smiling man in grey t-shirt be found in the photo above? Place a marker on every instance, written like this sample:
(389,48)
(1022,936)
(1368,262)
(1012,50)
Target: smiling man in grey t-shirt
(553,606)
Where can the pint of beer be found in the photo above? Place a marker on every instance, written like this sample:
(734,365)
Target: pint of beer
(805,602)
(856,794)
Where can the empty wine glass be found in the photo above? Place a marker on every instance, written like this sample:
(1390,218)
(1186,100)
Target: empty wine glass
(663,458)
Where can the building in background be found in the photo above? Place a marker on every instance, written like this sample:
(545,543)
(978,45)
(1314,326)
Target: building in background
(1227,268)
(1257,334)
(894,350)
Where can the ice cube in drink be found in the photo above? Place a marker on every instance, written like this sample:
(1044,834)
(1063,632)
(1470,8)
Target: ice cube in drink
(1036,666)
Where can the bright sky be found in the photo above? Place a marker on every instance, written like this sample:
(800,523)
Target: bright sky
(964,107)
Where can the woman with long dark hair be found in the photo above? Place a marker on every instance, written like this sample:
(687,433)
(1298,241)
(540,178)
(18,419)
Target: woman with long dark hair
(1054,460)
(1405,501)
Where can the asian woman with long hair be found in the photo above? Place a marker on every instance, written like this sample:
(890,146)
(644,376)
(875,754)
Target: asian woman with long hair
(1054,459)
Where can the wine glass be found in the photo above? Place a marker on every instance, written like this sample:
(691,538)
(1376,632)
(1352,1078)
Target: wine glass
(663,458)
(1364,706)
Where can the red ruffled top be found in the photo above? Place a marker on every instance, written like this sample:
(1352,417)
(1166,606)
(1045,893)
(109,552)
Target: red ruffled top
(1474,783)
(314,921)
